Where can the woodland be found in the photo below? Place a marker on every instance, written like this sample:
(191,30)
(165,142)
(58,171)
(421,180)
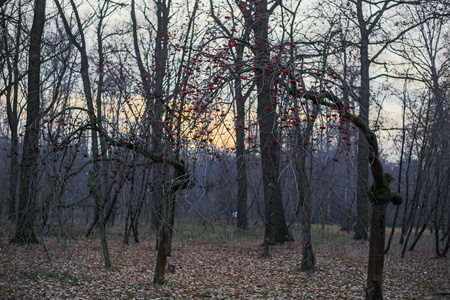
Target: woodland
(225,149)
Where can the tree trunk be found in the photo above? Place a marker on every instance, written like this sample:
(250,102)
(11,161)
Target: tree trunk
(386,250)
(161,259)
(91,227)
(171,223)
(304,203)
(362,204)
(419,234)
(399,178)
(14,173)
(153,92)
(157,199)
(164,237)
(27,198)
(126,234)
(241,164)
(376,253)
(13,114)
(94,191)
(380,195)
(102,227)
(96,172)
(308,258)
(276,230)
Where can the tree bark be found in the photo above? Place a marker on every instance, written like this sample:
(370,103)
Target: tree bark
(376,253)
(164,237)
(276,230)
(304,200)
(308,258)
(94,186)
(27,198)
(241,162)
(362,203)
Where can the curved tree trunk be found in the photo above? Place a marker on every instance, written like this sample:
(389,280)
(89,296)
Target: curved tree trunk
(379,195)
(362,203)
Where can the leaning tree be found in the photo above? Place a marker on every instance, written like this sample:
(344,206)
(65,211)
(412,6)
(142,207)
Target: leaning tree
(379,193)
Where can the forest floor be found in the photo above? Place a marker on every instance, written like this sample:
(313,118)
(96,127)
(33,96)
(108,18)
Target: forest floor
(217,263)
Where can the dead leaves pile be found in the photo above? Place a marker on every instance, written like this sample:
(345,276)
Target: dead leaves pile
(216,270)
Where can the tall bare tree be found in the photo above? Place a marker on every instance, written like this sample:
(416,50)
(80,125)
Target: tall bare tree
(12,81)
(380,195)
(24,232)
(94,108)
(257,15)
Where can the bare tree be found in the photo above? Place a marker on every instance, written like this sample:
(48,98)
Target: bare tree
(27,197)
(257,14)
(12,99)
(427,57)
(238,45)
(94,109)
(380,195)
(375,36)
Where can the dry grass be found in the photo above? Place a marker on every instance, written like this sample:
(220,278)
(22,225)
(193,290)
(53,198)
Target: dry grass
(217,269)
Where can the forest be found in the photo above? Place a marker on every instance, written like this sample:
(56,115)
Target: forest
(226,149)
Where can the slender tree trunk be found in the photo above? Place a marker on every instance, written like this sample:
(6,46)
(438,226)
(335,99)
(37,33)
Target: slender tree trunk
(155,99)
(137,212)
(158,176)
(27,198)
(241,162)
(96,172)
(171,223)
(400,172)
(14,173)
(362,203)
(157,102)
(308,258)
(436,240)
(104,240)
(92,226)
(417,236)
(447,244)
(13,114)
(391,235)
(304,200)
(161,259)
(94,190)
(126,235)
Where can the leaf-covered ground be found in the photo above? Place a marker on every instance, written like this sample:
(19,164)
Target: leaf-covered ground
(215,269)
